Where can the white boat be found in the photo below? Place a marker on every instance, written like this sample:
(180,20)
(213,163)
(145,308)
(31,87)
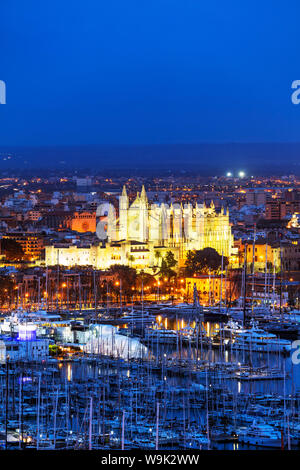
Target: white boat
(161,336)
(256,339)
(138,317)
(232,327)
(257,311)
(262,435)
(183,308)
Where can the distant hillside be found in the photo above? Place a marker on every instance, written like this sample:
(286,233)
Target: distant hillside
(209,159)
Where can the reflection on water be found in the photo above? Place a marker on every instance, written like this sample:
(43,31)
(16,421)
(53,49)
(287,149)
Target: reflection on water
(105,340)
(69,372)
(178,388)
(178,324)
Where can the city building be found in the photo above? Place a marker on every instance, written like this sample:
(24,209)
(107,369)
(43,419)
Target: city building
(211,288)
(290,256)
(262,252)
(83,222)
(255,197)
(31,242)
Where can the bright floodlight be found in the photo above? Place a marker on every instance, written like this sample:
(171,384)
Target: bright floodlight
(229,174)
(241,174)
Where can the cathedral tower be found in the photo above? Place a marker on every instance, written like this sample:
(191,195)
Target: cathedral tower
(144,223)
(123,215)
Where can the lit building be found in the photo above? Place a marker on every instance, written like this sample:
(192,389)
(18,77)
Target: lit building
(188,227)
(24,347)
(262,252)
(143,233)
(211,288)
(275,208)
(287,260)
(255,197)
(84,222)
(32,243)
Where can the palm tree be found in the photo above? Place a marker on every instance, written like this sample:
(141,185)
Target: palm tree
(157,256)
(131,259)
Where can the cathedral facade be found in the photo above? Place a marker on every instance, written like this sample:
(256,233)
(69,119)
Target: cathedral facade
(188,227)
(141,234)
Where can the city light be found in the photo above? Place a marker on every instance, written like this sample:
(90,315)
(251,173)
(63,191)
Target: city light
(241,174)
(228,174)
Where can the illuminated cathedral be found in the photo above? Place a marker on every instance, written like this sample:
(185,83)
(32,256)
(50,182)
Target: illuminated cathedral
(193,228)
(142,233)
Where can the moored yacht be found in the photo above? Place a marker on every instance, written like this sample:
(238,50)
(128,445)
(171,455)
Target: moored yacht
(262,435)
(256,339)
(134,317)
(162,336)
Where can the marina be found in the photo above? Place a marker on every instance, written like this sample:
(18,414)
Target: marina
(147,381)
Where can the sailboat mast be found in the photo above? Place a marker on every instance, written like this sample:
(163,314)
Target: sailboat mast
(274,293)
(6,401)
(221,288)
(157,421)
(253,264)
(38,414)
(20,411)
(91,423)
(266,273)
(123,430)
(57,281)
(225,298)
(46,289)
(55,416)
(120,295)
(95,291)
(209,288)
(107,294)
(281,315)
(245,284)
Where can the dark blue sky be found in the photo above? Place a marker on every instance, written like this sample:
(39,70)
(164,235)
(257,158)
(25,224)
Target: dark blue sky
(148,71)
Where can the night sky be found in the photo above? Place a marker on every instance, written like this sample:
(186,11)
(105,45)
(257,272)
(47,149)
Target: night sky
(149,72)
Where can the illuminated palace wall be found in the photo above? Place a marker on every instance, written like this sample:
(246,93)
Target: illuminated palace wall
(142,235)
(134,254)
